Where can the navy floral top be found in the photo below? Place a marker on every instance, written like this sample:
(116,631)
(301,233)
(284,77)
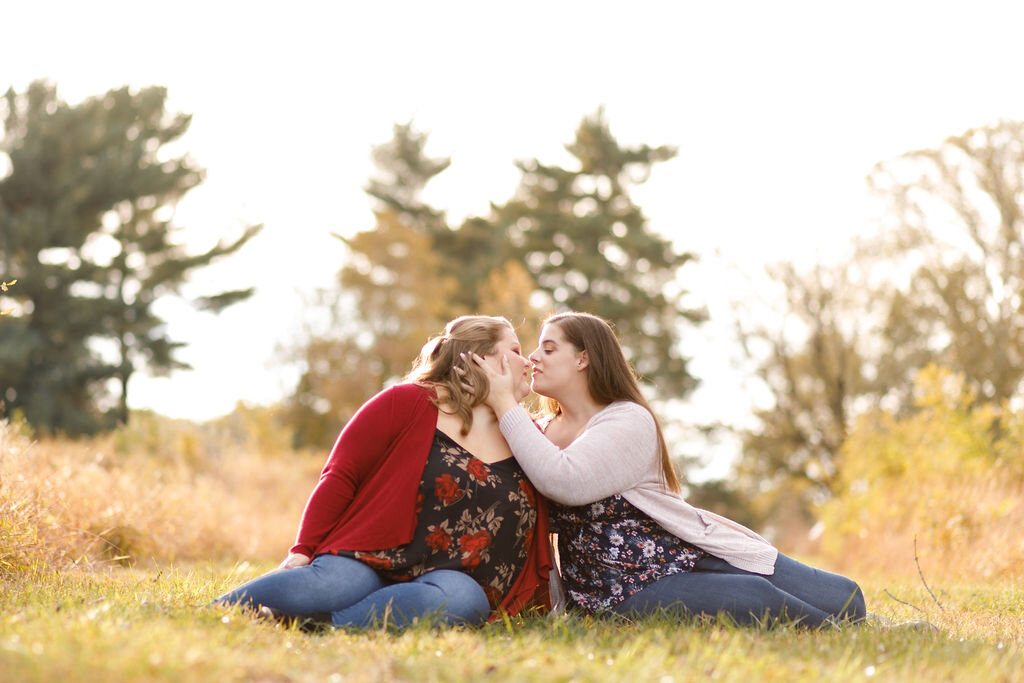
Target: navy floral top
(472,516)
(611,549)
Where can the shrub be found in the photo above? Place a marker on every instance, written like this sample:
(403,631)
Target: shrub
(951,476)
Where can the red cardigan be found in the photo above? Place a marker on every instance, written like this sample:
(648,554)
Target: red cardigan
(366,496)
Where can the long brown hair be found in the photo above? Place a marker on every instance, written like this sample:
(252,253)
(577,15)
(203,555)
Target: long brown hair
(610,377)
(437,361)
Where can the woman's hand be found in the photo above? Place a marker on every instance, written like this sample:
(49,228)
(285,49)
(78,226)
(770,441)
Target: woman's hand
(501,382)
(294,560)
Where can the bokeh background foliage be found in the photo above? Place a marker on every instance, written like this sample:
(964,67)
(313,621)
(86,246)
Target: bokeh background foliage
(889,380)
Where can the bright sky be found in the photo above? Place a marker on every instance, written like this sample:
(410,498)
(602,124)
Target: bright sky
(779,110)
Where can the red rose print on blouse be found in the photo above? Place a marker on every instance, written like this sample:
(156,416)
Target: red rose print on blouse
(447,489)
(477,469)
(481,540)
(472,545)
(470,516)
(438,538)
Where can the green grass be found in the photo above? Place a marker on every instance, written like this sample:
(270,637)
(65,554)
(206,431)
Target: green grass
(123,624)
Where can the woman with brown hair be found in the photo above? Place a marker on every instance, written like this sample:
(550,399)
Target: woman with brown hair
(420,511)
(628,543)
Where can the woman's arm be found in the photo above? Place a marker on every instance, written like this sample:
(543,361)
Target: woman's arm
(617,450)
(356,453)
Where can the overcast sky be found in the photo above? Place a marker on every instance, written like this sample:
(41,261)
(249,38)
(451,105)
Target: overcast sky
(779,110)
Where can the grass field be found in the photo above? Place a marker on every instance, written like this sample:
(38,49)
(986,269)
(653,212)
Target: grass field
(152,624)
(111,548)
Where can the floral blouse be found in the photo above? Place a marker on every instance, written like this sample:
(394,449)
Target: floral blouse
(610,550)
(472,516)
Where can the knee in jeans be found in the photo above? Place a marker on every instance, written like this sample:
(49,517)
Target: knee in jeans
(446,580)
(762,584)
(460,593)
(856,608)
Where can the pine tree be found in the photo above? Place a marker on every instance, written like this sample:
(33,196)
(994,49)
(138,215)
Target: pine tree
(403,171)
(394,293)
(86,227)
(590,248)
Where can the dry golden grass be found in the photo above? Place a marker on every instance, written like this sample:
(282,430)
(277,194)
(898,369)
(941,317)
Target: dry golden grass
(984,545)
(162,491)
(156,493)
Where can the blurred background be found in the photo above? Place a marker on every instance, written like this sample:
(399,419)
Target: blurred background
(224,226)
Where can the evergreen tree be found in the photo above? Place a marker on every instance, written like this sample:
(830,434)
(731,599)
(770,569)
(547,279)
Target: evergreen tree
(568,237)
(471,253)
(403,171)
(589,247)
(394,293)
(86,227)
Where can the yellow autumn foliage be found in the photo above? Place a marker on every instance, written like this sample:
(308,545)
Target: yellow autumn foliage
(948,479)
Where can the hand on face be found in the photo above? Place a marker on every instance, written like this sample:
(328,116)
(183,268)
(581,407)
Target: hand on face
(500,380)
(507,373)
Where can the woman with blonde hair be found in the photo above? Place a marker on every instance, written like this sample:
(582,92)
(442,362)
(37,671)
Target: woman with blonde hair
(420,511)
(628,543)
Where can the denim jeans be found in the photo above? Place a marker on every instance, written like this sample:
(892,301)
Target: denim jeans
(350,593)
(795,591)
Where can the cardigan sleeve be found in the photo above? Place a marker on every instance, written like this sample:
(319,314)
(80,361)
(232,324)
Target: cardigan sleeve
(357,452)
(617,450)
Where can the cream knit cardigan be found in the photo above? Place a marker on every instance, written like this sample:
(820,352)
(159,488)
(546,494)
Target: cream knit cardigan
(618,453)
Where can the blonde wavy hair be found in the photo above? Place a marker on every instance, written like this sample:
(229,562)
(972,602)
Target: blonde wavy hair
(435,367)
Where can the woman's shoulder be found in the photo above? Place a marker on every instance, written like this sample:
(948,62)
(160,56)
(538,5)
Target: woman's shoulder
(629,420)
(406,392)
(399,403)
(416,388)
(625,410)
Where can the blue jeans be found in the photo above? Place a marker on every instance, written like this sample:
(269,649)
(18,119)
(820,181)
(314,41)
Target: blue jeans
(349,593)
(795,591)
